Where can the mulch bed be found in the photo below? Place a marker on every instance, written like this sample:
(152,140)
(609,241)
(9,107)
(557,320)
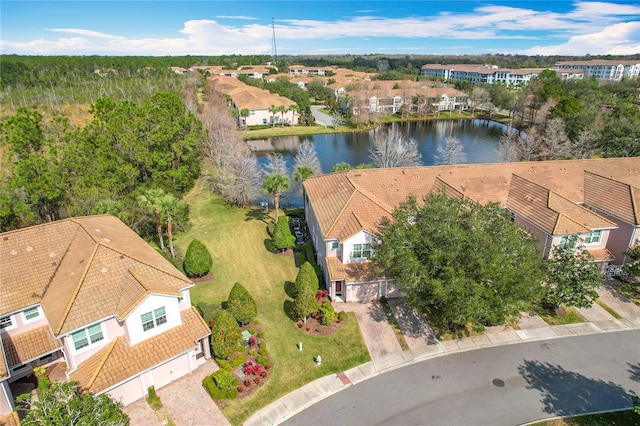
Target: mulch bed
(208,277)
(315,328)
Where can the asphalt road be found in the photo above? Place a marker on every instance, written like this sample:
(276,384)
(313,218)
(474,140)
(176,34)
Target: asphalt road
(320,117)
(506,385)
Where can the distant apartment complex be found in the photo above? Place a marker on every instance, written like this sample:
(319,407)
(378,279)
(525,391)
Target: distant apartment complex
(602,70)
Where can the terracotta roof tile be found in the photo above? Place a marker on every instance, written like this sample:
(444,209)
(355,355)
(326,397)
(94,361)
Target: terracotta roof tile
(615,196)
(11,419)
(350,272)
(600,255)
(331,194)
(82,270)
(120,360)
(29,345)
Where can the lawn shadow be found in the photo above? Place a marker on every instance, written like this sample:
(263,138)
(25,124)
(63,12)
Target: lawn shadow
(566,393)
(634,370)
(289,288)
(287,307)
(257,214)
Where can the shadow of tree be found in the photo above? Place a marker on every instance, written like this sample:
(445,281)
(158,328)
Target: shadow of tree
(376,312)
(634,370)
(414,323)
(257,214)
(289,288)
(565,393)
(287,307)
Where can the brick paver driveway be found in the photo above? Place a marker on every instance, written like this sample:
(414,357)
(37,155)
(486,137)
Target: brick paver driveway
(376,330)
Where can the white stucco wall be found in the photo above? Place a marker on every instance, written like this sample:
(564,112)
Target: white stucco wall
(133,321)
(361,237)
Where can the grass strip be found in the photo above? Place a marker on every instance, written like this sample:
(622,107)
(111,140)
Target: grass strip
(608,309)
(394,324)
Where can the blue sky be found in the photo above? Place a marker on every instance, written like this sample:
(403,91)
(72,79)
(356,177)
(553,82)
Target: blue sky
(453,27)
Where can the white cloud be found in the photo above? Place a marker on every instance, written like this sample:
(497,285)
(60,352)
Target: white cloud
(618,39)
(591,27)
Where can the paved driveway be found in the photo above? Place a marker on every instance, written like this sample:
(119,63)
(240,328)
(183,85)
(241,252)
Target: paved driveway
(377,333)
(414,326)
(617,302)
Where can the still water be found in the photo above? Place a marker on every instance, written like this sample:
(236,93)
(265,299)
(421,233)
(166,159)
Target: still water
(479,139)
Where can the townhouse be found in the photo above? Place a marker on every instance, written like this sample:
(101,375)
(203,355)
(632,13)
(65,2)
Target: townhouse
(260,103)
(94,303)
(598,200)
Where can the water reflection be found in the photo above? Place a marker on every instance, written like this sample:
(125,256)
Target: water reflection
(479,139)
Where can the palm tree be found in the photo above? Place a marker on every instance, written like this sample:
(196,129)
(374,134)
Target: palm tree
(150,201)
(244,113)
(282,109)
(272,110)
(275,184)
(163,206)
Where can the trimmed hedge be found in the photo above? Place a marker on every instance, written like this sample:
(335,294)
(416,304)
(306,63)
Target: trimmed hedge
(197,261)
(238,361)
(241,305)
(217,393)
(282,238)
(226,338)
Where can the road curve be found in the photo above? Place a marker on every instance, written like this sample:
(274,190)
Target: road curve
(506,385)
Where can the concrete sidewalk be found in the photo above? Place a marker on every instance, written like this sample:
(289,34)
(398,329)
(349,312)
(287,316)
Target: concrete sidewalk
(304,397)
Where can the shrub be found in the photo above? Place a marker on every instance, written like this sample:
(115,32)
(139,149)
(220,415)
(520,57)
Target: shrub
(241,305)
(153,399)
(264,374)
(215,392)
(197,260)
(226,338)
(240,389)
(252,368)
(224,380)
(341,316)
(258,380)
(321,294)
(239,360)
(262,348)
(253,352)
(300,258)
(263,360)
(282,238)
(261,335)
(224,364)
(208,311)
(253,341)
(327,312)
(248,383)
(252,330)
(305,289)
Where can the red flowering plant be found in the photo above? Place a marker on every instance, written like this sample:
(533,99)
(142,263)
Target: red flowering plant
(321,294)
(252,368)
(253,341)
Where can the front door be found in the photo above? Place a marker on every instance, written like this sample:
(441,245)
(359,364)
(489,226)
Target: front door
(338,288)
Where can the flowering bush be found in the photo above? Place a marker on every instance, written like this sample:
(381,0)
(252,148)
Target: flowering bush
(252,368)
(253,341)
(321,294)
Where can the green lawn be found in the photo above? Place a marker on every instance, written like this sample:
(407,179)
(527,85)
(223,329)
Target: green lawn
(625,417)
(571,317)
(236,238)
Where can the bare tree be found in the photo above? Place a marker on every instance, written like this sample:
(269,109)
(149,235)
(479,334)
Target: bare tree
(584,144)
(390,149)
(555,139)
(481,98)
(451,152)
(275,164)
(528,146)
(507,145)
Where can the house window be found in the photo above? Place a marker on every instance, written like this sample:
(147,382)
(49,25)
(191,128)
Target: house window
(6,322)
(362,251)
(31,313)
(568,241)
(87,336)
(154,318)
(593,237)
(334,246)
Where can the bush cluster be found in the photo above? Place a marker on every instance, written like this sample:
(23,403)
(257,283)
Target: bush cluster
(282,238)
(217,393)
(327,313)
(226,338)
(239,360)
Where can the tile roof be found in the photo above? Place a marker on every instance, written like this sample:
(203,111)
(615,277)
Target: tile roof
(250,97)
(27,346)
(360,272)
(551,212)
(120,361)
(618,197)
(332,195)
(82,270)
(10,419)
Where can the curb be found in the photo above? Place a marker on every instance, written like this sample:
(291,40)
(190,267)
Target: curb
(302,398)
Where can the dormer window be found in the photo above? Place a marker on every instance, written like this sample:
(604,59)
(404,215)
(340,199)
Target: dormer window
(593,237)
(154,319)
(31,314)
(87,336)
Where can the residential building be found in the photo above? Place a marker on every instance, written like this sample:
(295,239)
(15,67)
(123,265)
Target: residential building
(258,102)
(596,200)
(603,70)
(317,71)
(94,303)
(480,74)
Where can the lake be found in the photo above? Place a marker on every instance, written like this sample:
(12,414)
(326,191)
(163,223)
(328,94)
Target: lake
(479,139)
